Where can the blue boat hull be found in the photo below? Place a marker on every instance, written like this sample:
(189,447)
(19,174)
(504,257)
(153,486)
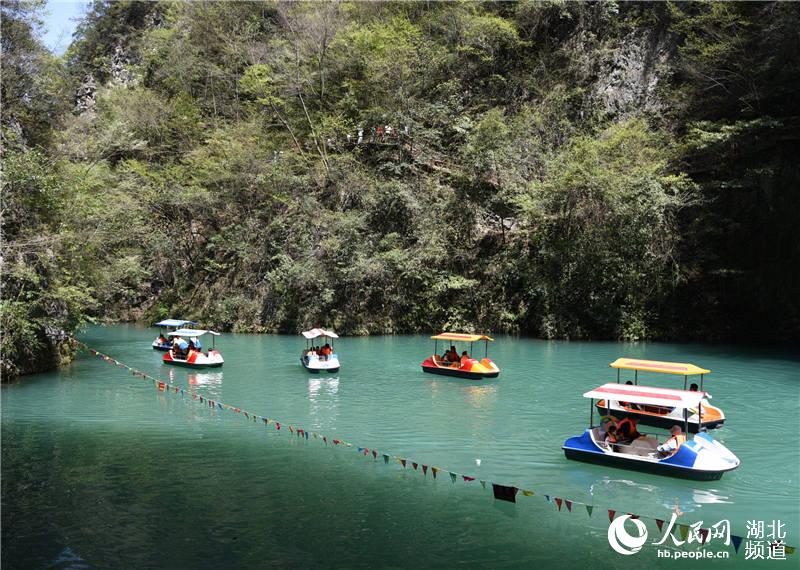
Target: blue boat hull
(680,465)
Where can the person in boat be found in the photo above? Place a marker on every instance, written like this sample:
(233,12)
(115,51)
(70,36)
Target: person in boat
(452,355)
(326,351)
(176,347)
(628,404)
(693,388)
(626,431)
(162,339)
(464,358)
(673,443)
(611,435)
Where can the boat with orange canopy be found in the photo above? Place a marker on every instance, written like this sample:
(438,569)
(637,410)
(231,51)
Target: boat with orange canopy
(702,417)
(463,365)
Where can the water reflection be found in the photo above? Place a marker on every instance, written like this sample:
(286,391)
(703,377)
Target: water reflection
(316,386)
(205,379)
(323,400)
(668,496)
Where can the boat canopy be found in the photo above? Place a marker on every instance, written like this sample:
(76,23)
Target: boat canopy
(647,395)
(314,333)
(461,337)
(191,333)
(679,368)
(173,323)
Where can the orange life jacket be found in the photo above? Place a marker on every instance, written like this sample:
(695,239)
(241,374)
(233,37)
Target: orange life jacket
(680,439)
(626,421)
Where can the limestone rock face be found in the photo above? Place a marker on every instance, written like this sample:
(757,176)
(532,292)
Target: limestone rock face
(629,77)
(86,96)
(120,73)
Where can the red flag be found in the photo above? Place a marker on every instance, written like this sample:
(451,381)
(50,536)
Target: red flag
(414,465)
(277,425)
(468,478)
(703,535)
(161,386)
(374,454)
(558,502)
(424,469)
(366,451)
(403,461)
(194,396)
(659,523)
(336,442)
(237,410)
(611,514)
(569,505)
(325,439)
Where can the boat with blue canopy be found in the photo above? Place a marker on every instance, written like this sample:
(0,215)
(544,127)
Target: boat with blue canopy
(702,458)
(704,416)
(320,358)
(163,342)
(186,349)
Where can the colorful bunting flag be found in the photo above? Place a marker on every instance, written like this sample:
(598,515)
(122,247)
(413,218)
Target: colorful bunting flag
(414,465)
(467,478)
(569,505)
(336,442)
(385,459)
(789,549)
(611,514)
(424,469)
(402,462)
(453,476)
(278,425)
(547,498)
(684,531)
(703,532)
(374,455)
(483,483)
(434,471)
(527,493)
(505,493)
(659,523)
(589,509)
(558,503)
(737,541)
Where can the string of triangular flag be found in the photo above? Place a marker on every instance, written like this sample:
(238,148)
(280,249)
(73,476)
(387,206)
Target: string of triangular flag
(500,491)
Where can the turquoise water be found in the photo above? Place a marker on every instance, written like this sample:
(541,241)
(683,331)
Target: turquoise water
(101,470)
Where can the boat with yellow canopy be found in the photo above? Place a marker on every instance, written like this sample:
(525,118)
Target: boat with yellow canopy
(703,416)
(461,365)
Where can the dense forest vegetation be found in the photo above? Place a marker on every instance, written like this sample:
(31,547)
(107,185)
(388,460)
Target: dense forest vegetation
(559,169)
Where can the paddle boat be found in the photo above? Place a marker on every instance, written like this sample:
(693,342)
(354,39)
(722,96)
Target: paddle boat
(704,416)
(466,366)
(703,458)
(185,355)
(170,325)
(314,362)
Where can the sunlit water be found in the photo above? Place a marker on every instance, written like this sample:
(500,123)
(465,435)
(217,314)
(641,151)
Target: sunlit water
(100,470)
